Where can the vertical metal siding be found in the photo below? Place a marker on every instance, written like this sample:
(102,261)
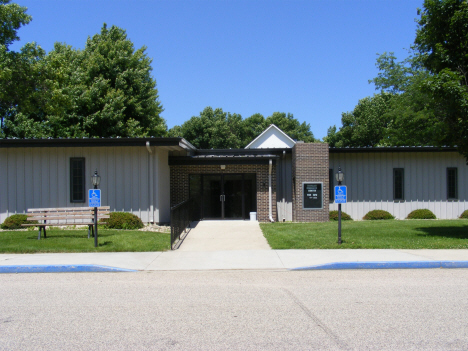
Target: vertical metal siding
(3,183)
(369,177)
(40,177)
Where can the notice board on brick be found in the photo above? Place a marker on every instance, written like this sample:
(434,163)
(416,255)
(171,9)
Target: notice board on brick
(312,195)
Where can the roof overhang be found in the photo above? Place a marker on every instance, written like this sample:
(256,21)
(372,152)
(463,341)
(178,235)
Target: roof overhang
(169,143)
(343,150)
(222,160)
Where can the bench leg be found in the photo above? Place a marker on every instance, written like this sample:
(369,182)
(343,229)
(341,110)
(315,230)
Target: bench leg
(90,230)
(39,235)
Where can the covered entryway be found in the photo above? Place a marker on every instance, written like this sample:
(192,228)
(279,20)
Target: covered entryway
(224,196)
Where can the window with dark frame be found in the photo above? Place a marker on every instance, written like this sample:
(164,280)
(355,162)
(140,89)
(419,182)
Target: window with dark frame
(398,184)
(77,179)
(452,183)
(332,184)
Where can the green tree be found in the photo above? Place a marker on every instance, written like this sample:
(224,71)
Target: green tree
(216,129)
(442,43)
(365,125)
(23,89)
(252,127)
(291,126)
(22,74)
(212,129)
(12,17)
(120,96)
(411,119)
(401,115)
(104,90)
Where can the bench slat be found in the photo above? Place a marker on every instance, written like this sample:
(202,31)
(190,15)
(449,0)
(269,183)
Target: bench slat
(58,224)
(67,209)
(65,214)
(62,218)
(55,224)
(89,210)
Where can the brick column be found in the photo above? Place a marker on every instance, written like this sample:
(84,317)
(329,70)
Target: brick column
(310,164)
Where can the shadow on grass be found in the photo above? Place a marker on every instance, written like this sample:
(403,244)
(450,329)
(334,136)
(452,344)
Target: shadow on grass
(445,232)
(105,243)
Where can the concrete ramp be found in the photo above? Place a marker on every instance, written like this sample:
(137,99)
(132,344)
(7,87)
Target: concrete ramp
(224,235)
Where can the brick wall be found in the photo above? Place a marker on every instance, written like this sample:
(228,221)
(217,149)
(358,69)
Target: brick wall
(180,183)
(310,164)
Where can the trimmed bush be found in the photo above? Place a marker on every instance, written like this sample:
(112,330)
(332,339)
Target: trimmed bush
(123,220)
(464,215)
(377,215)
(15,221)
(344,216)
(421,214)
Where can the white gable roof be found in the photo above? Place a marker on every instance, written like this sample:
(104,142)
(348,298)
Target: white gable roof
(272,138)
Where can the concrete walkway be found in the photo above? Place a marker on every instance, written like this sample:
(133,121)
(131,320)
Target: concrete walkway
(224,236)
(234,260)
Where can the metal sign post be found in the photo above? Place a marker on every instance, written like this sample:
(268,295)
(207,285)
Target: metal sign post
(340,198)
(94,200)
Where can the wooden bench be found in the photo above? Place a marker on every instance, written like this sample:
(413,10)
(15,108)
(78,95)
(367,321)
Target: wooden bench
(49,217)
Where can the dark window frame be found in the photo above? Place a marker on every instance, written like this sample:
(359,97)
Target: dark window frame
(331,180)
(452,189)
(81,182)
(398,189)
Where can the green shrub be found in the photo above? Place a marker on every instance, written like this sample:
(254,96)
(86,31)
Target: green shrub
(421,214)
(464,215)
(123,220)
(15,221)
(377,215)
(344,216)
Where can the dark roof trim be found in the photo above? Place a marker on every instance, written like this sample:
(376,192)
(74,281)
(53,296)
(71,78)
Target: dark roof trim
(241,152)
(344,150)
(96,142)
(232,160)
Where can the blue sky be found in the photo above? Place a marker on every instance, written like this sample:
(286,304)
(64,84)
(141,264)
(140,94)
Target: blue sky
(310,58)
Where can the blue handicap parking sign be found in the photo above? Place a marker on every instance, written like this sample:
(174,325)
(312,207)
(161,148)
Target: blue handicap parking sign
(94,198)
(340,194)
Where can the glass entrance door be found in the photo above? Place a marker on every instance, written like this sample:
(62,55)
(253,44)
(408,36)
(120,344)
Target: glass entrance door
(224,196)
(212,197)
(233,196)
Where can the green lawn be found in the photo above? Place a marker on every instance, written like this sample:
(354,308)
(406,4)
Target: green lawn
(390,234)
(109,240)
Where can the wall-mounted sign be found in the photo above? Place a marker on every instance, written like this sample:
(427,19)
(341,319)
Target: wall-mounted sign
(312,195)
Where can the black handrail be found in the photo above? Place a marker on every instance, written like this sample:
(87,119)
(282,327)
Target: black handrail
(181,216)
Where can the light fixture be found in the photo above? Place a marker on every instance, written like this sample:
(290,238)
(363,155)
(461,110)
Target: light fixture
(223,166)
(339,176)
(95,179)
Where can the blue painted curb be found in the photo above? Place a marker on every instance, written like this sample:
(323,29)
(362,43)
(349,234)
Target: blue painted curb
(454,264)
(61,268)
(386,265)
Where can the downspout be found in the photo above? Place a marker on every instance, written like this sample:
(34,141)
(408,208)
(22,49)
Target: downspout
(269,189)
(150,175)
(283,184)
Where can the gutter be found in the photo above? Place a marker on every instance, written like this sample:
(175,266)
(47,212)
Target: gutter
(269,190)
(150,180)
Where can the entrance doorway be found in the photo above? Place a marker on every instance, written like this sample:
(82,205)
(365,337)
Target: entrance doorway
(224,196)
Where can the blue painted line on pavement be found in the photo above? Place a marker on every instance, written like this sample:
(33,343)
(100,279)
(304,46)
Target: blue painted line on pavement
(386,265)
(61,268)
